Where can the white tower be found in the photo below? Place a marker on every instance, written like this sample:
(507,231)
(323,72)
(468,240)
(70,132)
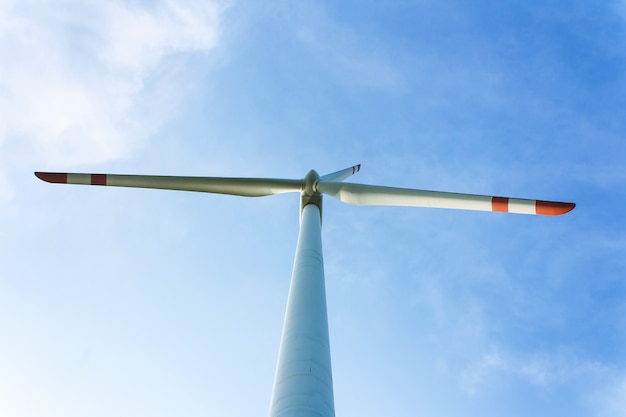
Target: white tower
(303,385)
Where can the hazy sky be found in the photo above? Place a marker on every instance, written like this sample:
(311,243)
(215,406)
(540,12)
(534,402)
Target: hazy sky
(122,302)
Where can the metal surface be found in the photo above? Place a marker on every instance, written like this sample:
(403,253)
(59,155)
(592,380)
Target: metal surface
(247,187)
(341,175)
(309,194)
(376,195)
(312,186)
(303,385)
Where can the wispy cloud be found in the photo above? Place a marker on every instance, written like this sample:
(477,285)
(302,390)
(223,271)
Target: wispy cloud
(354,58)
(611,401)
(545,371)
(73,75)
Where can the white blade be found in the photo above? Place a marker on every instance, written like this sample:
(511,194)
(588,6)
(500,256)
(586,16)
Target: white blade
(341,175)
(373,195)
(248,187)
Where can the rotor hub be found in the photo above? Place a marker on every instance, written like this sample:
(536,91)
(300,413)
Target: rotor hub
(309,193)
(310,183)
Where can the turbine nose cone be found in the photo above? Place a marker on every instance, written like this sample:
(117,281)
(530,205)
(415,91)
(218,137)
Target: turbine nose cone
(310,183)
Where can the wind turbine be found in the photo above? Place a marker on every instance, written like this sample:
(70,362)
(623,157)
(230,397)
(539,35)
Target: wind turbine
(303,384)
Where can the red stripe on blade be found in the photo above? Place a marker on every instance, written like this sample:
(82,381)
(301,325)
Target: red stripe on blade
(98,179)
(553,208)
(55,177)
(500,204)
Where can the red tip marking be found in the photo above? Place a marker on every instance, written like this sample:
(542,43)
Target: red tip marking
(553,208)
(500,204)
(98,179)
(54,177)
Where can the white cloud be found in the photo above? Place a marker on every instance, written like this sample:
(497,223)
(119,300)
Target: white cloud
(73,74)
(138,38)
(545,371)
(354,57)
(549,370)
(609,397)
(476,374)
(615,399)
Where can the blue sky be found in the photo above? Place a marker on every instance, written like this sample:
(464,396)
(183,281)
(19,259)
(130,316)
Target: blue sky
(142,302)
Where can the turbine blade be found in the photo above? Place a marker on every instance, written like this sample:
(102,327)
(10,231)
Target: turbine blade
(374,195)
(248,187)
(341,175)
